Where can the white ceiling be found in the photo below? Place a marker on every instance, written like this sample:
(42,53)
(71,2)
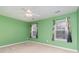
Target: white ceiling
(18,12)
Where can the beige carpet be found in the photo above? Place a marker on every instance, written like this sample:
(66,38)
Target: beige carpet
(32,48)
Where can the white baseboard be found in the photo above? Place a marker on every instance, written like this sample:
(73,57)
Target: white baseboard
(56,46)
(12,44)
(39,43)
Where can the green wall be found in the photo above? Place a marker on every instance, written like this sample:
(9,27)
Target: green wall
(12,30)
(78,28)
(45,31)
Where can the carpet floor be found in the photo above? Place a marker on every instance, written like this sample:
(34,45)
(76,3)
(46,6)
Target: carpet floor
(28,47)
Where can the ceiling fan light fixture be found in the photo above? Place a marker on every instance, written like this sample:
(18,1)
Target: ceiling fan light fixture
(28,15)
(29,11)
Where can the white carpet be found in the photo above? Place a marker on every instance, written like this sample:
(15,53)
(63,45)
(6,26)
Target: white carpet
(29,47)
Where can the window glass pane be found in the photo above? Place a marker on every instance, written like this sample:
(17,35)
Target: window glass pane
(34,30)
(61,29)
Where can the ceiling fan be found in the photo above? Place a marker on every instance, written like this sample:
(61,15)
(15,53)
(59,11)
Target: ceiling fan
(29,13)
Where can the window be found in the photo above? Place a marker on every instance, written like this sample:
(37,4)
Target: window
(62,30)
(34,31)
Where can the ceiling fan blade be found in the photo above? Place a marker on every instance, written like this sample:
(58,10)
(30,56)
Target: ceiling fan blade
(35,14)
(24,9)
